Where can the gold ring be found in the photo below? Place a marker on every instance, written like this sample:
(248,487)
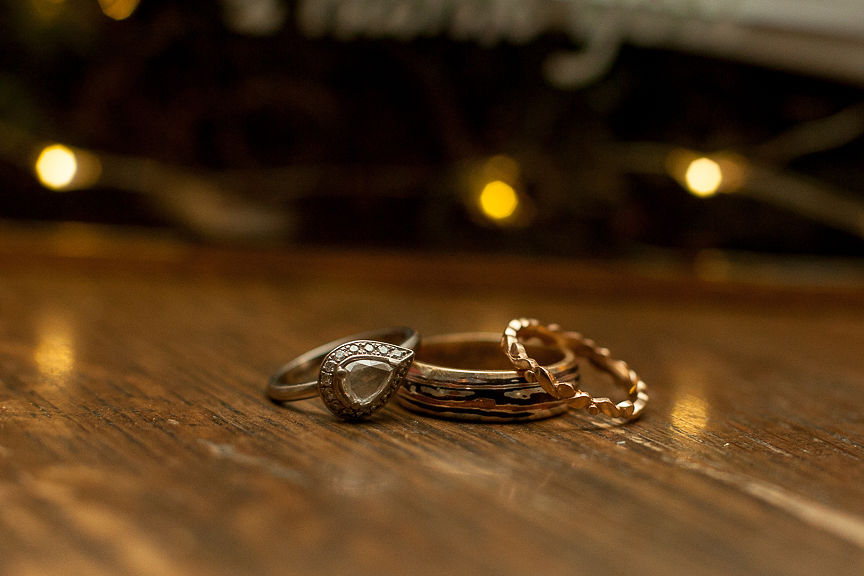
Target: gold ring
(357,375)
(465,377)
(531,370)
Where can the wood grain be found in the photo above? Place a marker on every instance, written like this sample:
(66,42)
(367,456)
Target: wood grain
(135,437)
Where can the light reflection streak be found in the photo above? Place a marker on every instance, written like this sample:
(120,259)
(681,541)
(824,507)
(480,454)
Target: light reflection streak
(55,352)
(689,414)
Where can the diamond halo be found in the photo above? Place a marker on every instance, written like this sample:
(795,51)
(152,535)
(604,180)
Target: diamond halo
(359,377)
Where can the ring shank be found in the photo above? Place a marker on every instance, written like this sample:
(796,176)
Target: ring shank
(290,382)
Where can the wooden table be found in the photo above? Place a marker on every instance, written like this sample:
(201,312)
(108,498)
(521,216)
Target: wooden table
(135,437)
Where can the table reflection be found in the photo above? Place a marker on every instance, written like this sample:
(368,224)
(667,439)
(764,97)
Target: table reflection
(55,351)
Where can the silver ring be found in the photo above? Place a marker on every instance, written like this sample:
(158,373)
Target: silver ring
(357,375)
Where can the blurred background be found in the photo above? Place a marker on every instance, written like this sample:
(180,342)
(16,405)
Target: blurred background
(684,129)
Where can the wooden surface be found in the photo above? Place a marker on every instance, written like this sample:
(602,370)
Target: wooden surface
(135,437)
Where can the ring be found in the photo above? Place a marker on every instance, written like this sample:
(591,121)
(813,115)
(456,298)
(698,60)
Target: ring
(465,377)
(623,376)
(357,375)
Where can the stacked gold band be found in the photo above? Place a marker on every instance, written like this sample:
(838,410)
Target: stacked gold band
(465,377)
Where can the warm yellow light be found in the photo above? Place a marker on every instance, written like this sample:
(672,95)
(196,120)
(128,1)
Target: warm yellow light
(689,414)
(56,166)
(55,353)
(118,9)
(703,177)
(498,200)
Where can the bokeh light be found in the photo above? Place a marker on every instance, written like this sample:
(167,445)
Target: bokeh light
(56,166)
(118,9)
(703,177)
(498,200)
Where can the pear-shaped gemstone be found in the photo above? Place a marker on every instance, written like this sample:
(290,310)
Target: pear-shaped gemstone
(366,379)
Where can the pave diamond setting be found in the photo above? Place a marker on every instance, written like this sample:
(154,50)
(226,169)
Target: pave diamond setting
(359,377)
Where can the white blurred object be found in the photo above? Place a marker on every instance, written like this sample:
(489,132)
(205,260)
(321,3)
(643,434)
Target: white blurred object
(818,37)
(254,17)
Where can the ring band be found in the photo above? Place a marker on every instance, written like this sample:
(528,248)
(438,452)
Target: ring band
(357,375)
(623,376)
(465,377)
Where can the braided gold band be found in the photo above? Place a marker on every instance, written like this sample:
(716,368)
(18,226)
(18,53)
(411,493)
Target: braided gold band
(552,334)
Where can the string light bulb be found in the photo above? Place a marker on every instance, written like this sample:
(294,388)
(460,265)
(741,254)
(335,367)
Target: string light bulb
(62,168)
(703,177)
(494,193)
(56,166)
(118,9)
(498,200)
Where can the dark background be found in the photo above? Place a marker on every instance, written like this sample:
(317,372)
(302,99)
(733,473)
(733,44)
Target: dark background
(286,139)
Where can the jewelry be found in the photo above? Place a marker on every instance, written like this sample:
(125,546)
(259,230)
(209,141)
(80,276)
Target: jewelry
(357,375)
(623,376)
(465,377)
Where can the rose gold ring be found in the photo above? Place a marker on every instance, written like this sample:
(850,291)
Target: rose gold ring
(532,371)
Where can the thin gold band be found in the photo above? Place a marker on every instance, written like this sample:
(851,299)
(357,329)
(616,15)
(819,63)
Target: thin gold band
(624,377)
